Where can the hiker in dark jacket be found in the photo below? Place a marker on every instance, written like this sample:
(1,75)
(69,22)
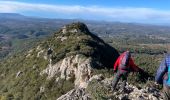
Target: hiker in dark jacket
(163,76)
(123,65)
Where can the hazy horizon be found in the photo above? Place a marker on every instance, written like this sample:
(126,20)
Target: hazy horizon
(131,11)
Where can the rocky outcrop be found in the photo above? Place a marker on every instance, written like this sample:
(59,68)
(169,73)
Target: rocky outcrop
(131,92)
(77,68)
(18,74)
(76,94)
(75,28)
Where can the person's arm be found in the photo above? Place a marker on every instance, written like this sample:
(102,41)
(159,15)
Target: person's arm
(116,64)
(160,72)
(133,66)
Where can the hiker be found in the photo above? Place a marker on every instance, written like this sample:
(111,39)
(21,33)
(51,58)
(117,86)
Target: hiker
(163,76)
(123,65)
(49,51)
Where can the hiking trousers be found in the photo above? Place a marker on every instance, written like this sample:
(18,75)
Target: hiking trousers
(166,92)
(120,74)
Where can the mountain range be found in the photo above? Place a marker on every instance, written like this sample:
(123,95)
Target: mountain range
(19,32)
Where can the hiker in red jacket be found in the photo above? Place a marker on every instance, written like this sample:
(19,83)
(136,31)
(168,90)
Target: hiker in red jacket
(123,65)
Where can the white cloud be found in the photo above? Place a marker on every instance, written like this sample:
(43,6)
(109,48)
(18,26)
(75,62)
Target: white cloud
(90,12)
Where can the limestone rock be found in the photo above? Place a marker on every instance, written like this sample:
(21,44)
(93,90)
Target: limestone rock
(62,38)
(131,92)
(76,94)
(39,53)
(73,67)
(18,74)
(42,89)
(97,77)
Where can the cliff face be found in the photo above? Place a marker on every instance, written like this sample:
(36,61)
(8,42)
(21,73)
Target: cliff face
(77,68)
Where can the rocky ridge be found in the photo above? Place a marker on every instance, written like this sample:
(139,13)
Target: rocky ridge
(83,74)
(131,92)
(56,65)
(89,52)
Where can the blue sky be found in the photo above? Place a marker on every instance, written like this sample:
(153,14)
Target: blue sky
(140,11)
(160,4)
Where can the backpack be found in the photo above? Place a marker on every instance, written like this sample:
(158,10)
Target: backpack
(168,76)
(124,61)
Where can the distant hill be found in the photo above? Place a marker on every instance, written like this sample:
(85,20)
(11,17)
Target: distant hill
(12,16)
(20,32)
(24,31)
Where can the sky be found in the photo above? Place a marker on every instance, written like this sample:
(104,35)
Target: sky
(138,11)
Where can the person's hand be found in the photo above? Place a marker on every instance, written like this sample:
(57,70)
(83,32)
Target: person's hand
(156,83)
(114,71)
(141,70)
